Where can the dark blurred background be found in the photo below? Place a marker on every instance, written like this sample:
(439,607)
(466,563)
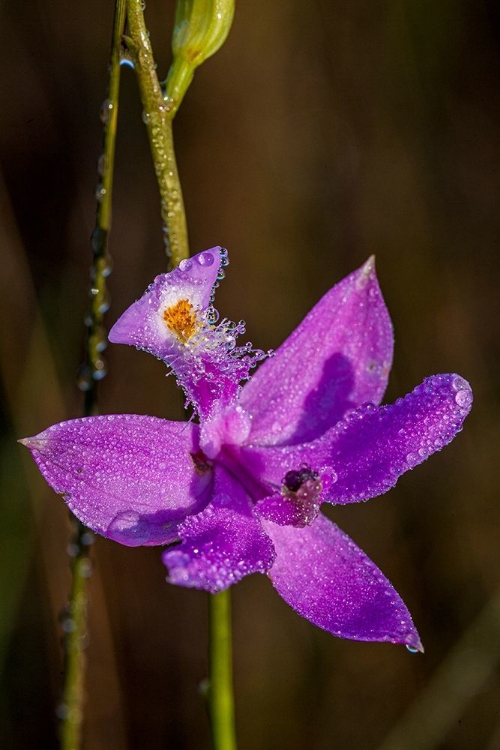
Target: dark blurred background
(322,132)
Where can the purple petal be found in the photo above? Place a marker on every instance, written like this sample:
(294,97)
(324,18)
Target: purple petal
(130,478)
(175,321)
(372,447)
(285,512)
(327,579)
(364,455)
(338,358)
(147,325)
(222,544)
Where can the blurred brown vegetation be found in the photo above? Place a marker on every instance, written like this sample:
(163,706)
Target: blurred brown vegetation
(321,133)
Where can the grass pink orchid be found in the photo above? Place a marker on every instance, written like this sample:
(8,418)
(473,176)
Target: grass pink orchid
(239,490)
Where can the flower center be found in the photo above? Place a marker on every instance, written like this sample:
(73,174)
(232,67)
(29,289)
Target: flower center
(181,320)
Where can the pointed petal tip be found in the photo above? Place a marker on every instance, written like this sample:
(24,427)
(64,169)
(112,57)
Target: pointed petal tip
(33,443)
(370,264)
(366,273)
(414,645)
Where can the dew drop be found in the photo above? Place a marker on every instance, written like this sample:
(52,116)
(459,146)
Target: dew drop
(84,377)
(211,315)
(459,384)
(100,193)
(105,112)
(102,165)
(88,537)
(205,259)
(224,256)
(127,62)
(412,459)
(185,265)
(412,649)
(463,398)
(128,528)
(97,240)
(68,625)
(105,303)
(107,265)
(62,711)
(99,371)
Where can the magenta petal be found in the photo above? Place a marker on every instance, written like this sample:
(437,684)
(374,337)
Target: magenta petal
(222,544)
(338,358)
(130,478)
(327,579)
(373,446)
(285,512)
(143,324)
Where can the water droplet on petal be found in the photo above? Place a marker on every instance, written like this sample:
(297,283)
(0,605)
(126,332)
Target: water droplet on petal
(463,398)
(205,259)
(412,459)
(185,265)
(412,649)
(128,528)
(212,315)
(459,384)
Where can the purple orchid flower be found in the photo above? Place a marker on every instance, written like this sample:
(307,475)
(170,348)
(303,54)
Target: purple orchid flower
(240,491)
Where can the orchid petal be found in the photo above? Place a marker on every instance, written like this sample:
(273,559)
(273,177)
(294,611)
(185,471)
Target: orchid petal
(284,511)
(338,358)
(327,579)
(130,478)
(222,544)
(146,324)
(373,447)
(175,321)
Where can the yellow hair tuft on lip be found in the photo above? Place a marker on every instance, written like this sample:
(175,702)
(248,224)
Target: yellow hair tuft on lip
(181,319)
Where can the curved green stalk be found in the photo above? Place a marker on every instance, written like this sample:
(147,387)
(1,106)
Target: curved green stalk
(158,120)
(93,370)
(220,686)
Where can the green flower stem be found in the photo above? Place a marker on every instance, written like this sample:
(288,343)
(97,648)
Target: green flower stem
(71,709)
(220,688)
(158,119)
